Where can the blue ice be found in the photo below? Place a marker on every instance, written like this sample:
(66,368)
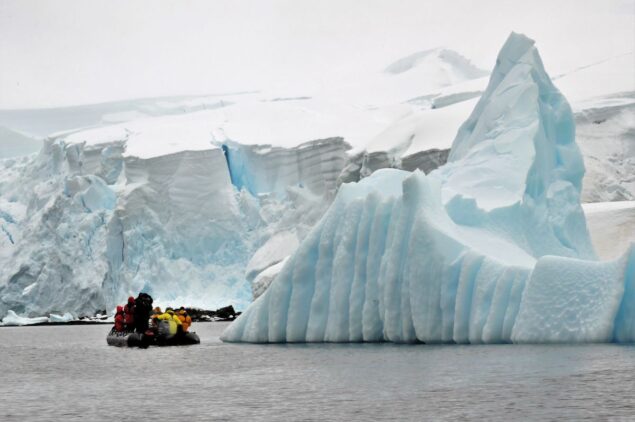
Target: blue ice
(490,248)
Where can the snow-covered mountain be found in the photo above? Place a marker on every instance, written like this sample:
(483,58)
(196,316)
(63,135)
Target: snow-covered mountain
(195,198)
(424,72)
(454,68)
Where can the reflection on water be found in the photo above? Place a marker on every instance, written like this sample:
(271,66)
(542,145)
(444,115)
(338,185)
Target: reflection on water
(69,373)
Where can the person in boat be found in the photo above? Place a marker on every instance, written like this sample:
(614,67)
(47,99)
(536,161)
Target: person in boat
(154,319)
(170,321)
(119,320)
(142,309)
(128,311)
(176,320)
(185,319)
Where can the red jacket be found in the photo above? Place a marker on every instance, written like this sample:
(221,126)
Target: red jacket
(119,320)
(128,312)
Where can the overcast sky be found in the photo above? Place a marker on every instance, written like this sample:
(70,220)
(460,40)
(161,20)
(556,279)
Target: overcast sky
(55,53)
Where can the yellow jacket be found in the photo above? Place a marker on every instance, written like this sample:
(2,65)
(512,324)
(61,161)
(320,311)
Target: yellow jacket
(169,316)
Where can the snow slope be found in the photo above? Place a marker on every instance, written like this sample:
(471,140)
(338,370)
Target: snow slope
(612,226)
(14,144)
(43,122)
(492,247)
(606,136)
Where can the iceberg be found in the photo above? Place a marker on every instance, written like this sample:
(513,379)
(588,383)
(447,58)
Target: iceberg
(13,319)
(55,318)
(492,247)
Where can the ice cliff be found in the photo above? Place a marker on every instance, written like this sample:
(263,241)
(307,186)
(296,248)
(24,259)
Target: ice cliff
(492,247)
(158,206)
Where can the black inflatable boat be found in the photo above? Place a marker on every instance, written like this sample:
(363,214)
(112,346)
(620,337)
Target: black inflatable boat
(126,339)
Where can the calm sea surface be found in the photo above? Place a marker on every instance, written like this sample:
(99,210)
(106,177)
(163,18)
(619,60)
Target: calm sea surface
(69,373)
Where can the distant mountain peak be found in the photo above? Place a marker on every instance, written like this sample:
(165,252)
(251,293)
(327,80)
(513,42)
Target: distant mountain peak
(441,57)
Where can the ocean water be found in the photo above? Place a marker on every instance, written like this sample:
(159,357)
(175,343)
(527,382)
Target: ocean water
(69,373)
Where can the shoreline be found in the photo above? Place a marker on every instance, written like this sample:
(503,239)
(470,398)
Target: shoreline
(224,314)
(79,322)
(48,324)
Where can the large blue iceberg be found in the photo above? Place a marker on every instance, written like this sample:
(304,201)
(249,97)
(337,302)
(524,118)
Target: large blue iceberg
(490,248)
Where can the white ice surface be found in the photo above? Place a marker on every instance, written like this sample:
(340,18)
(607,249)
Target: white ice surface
(254,121)
(67,317)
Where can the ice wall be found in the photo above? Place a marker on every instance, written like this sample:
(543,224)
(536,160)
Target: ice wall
(272,169)
(104,213)
(100,226)
(471,253)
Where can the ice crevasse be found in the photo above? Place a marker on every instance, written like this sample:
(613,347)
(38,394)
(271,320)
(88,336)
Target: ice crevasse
(490,248)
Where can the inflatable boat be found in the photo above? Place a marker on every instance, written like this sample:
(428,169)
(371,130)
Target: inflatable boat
(127,339)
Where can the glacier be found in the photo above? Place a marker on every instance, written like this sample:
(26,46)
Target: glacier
(97,216)
(492,247)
